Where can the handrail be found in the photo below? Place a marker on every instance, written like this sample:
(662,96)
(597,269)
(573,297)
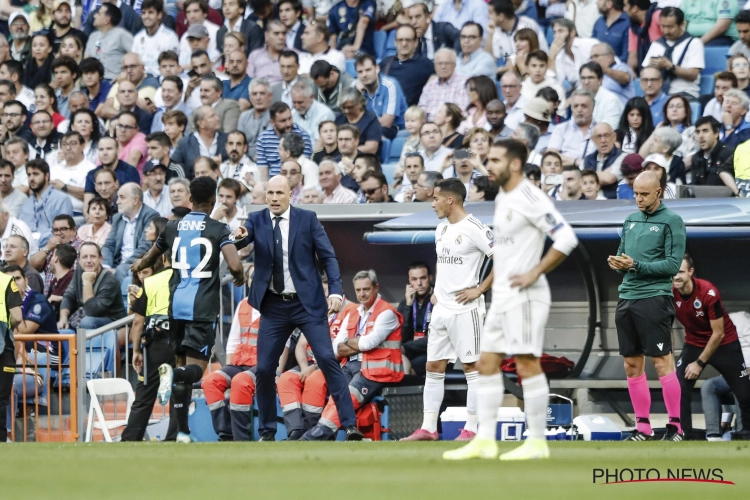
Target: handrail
(97,332)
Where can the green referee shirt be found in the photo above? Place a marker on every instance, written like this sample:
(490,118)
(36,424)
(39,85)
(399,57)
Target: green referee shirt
(656,241)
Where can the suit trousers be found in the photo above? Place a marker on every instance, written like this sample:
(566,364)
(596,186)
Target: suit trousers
(279,318)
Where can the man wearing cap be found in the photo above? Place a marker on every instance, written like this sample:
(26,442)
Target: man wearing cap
(62,17)
(631,166)
(156,194)
(713,165)
(495,113)
(606,160)
(109,43)
(537,113)
(195,38)
(20,49)
(197,17)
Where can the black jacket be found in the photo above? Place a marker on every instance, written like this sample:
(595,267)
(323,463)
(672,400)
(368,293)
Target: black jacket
(107,299)
(706,172)
(254,37)
(443,35)
(188,150)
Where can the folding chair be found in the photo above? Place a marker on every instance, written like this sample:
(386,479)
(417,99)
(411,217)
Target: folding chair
(107,387)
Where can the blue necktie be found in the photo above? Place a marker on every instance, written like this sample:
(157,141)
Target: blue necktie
(278,257)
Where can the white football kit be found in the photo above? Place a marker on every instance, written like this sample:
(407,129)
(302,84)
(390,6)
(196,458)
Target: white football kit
(455,329)
(524,217)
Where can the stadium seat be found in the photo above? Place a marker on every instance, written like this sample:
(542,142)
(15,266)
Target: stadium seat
(716,60)
(380,38)
(637,87)
(350,68)
(696,109)
(388,169)
(390,44)
(707,84)
(385,150)
(549,34)
(396,146)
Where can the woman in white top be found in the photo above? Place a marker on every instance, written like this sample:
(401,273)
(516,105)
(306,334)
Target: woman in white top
(85,122)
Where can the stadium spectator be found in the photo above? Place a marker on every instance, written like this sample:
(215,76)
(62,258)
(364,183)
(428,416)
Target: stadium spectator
(264,62)
(269,160)
(328,134)
(106,185)
(10,225)
(156,192)
(658,164)
(606,160)
(315,40)
(110,42)
(237,87)
(347,140)
(504,25)
(678,115)
(550,171)
(713,165)
(537,113)
(201,66)
(206,167)
(236,20)
(179,195)
(60,275)
(433,151)
(568,51)
(227,110)
(651,83)
(307,112)
(528,134)
(155,37)
(202,33)
(723,81)
(617,75)
(449,118)
(175,124)
(409,69)
(85,122)
(735,130)
(44,203)
(13,120)
(425,188)
(38,67)
(538,78)
(712,24)
(65,73)
(474,61)
(510,84)
(331,83)
(383,95)
(292,147)
(127,98)
(352,27)
(526,42)
(93,298)
(43,138)
(447,87)
(238,166)
(16,151)
(330,182)
(18,24)
(416,311)
(742,25)
(355,112)
(311,196)
(458,14)
(665,141)
(98,229)
(632,166)
(677,55)
(254,121)
(12,198)
(612,28)
(590,185)
(93,84)
(607,107)
(375,187)
(127,239)
(12,71)
(227,211)
(16,253)
(289,67)
(207,140)
(132,142)
(159,145)
(572,139)
(413,169)
(432,35)
(644,30)
(481,91)
(69,176)
(482,190)
(293,172)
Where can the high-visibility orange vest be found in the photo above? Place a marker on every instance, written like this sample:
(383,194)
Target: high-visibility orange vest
(334,323)
(382,364)
(247,350)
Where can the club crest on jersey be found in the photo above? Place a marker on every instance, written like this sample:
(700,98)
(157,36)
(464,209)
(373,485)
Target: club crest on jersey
(550,219)
(491,237)
(458,239)
(654,229)
(697,304)
(445,228)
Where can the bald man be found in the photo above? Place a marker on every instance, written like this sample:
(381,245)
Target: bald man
(288,291)
(606,160)
(650,255)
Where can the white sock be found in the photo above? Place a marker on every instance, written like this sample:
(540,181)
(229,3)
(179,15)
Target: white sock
(434,389)
(489,398)
(472,380)
(536,399)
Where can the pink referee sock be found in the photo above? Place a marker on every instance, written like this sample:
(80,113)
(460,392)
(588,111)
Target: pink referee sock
(641,399)
(670,388)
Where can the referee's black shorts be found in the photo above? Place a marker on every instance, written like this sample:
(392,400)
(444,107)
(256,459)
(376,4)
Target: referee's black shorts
(644,326)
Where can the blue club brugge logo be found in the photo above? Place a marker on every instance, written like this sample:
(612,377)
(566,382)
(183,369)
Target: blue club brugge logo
(697,304)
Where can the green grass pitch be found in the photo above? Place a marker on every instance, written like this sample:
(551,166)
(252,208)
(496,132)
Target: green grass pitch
(356,471)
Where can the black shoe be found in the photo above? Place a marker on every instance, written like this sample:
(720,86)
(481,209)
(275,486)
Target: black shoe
(353,434)
(640,436)
(267,436)
(295,435)
(673,434)
(743,435)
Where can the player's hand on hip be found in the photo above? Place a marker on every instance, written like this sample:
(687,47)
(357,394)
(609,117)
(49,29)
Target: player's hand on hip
(524,280)
(334,305)
(433,299)
(468,295)
(693,371)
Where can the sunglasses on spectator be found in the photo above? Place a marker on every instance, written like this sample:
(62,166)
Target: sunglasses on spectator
(370,192)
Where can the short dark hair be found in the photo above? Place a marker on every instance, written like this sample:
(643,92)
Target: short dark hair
(6,164)
(548,94)
(476,25)
(199,53)
(278,107)
(14,68)
(504,7)
(67,218)
(360,61)
(539,55)
(127,113)
(168,55)
(320,68)
(203,4)
(38,164)
(105,171)
(594,68)
(24,109)
(375,174)
(174,79)
(590,173)
(419,264)
(13,268)
(90,243)
(294,143)
(483,185)
(10,86)
(113,12)
(573,168)
(514,149)
(689,260)
(98,200)
(713,122)
(161,137)
(371,161)
(453,186)
(241,134)
(178,116)
(290,53)
(742,17)
(296,5)
(232,185)
(66,62)
(727,76)
(675,12)
(415,154)
(67,254)
(70,133)
(91,65)
(202,190)
(157,5)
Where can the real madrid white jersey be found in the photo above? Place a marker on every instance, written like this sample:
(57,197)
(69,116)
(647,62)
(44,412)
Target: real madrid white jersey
(461,248)
(524,217)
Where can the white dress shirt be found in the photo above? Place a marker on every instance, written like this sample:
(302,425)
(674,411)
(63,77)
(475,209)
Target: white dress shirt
(384,325)
(284,225)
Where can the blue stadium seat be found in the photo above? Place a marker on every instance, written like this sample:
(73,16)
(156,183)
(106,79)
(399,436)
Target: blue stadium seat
(390,44)
(716,60)
(549,34)
(396,146)
(388,170)
(707,84)
(380,38)
(696,109)
(385,150)
(350,69)
(637,87)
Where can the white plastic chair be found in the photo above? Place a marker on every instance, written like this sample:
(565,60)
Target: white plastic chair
(106,387)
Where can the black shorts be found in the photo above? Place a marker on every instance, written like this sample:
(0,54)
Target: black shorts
(198,336)
(644,326)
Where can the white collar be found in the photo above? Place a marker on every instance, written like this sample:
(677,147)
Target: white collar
(361,308)
(285,215)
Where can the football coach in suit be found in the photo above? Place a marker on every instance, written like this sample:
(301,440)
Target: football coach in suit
(288,292)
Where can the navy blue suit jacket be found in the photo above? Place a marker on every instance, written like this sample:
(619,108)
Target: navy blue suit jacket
(308,244)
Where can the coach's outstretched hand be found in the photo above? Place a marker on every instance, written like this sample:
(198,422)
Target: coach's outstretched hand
(334,305)
(240,233)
